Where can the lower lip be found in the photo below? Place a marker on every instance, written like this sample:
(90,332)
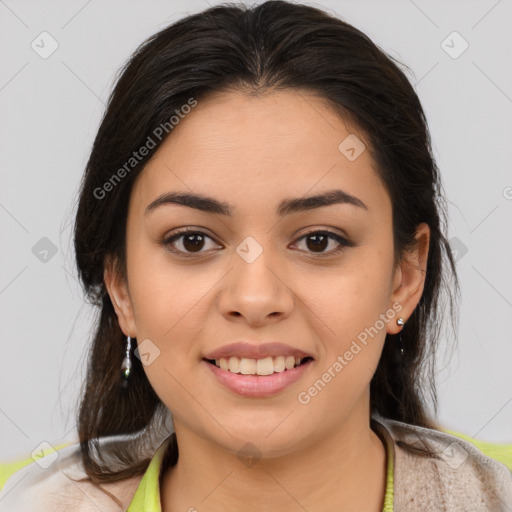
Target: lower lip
(258,386)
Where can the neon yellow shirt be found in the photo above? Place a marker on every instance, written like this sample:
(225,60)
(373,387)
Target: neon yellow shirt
(147,494)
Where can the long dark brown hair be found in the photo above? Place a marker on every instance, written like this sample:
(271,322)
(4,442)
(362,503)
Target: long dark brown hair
(275,45)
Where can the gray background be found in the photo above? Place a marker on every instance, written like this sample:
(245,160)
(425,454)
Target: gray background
(50,111)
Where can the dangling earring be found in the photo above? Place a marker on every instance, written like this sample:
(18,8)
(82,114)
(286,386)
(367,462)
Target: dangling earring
(400,322)
(127,363)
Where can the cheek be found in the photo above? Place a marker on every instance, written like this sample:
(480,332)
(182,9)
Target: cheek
(164,295)
(171,303)
(169,306)
(352,299)
(351,310)
(169,312)
(351,328)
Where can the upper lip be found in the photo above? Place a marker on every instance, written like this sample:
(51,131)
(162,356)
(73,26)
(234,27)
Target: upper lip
(256,351)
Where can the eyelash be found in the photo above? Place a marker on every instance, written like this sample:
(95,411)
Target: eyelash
(343,242)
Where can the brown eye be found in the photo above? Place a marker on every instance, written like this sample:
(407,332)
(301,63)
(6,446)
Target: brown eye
(193,242)
(187,242)
(318,241)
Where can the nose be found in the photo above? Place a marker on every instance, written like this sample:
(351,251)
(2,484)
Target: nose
(256,290)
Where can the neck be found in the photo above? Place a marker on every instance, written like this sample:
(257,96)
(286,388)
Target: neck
(343,471)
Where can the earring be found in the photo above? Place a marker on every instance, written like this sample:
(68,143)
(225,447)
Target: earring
(400,321)
(127,363)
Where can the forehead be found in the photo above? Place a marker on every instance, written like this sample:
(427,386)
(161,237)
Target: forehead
(254,149)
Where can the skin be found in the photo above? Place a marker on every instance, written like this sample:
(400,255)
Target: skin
(253,152)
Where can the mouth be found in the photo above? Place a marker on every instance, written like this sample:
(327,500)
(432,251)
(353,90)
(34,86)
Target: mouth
(258,378)
(259,367)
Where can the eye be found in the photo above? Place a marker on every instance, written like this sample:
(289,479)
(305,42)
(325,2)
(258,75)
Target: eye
(190,240)
(318,241)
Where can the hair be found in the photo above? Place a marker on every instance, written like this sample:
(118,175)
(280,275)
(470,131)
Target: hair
(273,46)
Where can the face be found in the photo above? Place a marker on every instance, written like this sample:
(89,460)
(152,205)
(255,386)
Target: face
(315,276)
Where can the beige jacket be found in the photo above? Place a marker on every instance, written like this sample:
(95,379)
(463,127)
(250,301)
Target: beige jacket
(459,479)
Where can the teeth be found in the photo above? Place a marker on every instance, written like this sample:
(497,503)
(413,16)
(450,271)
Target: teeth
(266,366)
(279,364)
(233,364)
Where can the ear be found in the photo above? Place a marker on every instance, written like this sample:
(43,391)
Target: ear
(409,278)
(117,288)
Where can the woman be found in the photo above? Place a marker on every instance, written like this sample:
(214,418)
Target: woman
(262,227)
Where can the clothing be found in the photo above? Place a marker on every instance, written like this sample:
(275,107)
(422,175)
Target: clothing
(461,479)
(147,496)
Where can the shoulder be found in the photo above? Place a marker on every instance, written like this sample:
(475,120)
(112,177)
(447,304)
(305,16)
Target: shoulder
(498,451)
(48,484)
(456,475)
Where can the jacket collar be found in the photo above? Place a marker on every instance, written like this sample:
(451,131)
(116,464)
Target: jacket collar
(455,477)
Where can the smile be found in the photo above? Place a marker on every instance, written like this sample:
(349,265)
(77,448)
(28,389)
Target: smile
(264,366)
(248,382)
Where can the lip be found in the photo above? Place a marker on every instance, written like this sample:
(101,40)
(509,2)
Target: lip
(256,351)
(258,386)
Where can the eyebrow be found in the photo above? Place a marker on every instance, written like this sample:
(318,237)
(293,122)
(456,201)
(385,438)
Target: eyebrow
(286,207)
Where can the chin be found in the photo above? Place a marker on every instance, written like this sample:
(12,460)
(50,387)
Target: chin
(257,443)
